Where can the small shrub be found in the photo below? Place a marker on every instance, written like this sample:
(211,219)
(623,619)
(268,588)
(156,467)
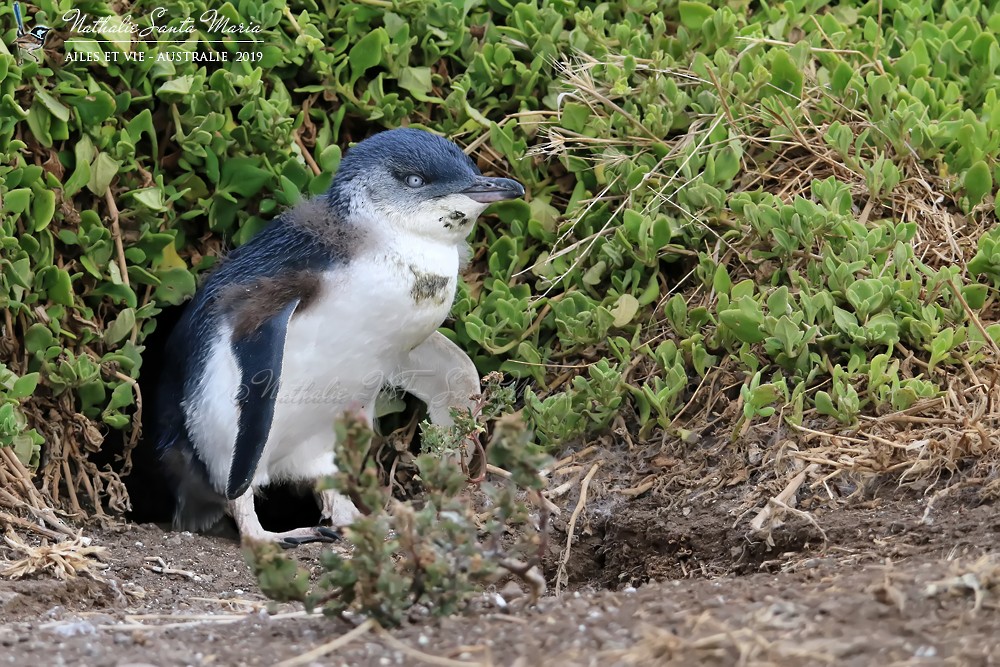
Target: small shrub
(437,550)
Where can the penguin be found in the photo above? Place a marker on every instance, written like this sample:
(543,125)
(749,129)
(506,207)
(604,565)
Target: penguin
(336,299)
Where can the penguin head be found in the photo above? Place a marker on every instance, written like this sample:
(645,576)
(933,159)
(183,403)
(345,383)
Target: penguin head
(415,181)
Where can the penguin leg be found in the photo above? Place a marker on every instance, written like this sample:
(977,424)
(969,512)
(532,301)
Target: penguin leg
(440,374)
(337,508)
(242,510)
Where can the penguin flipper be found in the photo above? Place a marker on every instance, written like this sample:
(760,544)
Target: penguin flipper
(259,355)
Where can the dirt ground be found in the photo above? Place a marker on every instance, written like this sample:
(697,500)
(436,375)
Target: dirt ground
(647,586)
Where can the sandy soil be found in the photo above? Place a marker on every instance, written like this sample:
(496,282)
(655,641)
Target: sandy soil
(647,587)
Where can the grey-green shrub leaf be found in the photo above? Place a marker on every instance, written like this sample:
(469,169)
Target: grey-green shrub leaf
(978,182)
(24,386)
(121,327)
(102,172)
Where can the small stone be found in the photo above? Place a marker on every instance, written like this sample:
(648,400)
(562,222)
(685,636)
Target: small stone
(73,629)
(511,591)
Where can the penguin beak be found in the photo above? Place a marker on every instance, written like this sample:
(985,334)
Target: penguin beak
(488,190)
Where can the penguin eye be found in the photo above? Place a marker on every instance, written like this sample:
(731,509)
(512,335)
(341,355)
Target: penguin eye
(414,181)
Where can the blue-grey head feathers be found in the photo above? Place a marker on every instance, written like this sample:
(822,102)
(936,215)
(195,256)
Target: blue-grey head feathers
(404,168)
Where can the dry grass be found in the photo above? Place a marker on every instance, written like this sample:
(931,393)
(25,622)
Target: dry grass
(20,498)
(980,577)
(711,641)
(61,560)
(69,478)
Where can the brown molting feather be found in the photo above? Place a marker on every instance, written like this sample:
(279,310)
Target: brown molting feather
(250,305)
(315,216)
(428,286)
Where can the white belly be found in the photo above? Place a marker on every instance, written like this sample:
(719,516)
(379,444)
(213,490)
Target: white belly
(340,350)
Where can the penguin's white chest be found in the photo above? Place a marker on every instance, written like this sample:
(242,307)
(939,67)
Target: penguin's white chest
(346,345)
(343,347)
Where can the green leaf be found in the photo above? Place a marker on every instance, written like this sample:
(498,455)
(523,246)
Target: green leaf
(24,386)
(175,286)
(243,176)
(329,159)
(975,295)
(121,397)
(978,182)
(61,291)
(694,14)
(120,328)
(16,201)
(84,154)
(54,106)
(785,75)
(102,172)
(119,293)
(141,125)
(151,198)
(746,320)
(824,405)
(367,52)
(625,310)
(417,80)
(27,449)
(721,283)
(176,89)
(37,338)
(43,210)
(94,108)
(575,116)
(116,421)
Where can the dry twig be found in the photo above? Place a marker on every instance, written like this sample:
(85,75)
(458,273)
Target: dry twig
(571,528)
(329,647)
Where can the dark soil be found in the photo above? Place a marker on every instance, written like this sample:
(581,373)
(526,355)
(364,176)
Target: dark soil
(647,586)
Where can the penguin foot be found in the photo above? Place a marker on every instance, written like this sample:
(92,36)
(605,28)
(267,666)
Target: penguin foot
(242,510)
(317,534)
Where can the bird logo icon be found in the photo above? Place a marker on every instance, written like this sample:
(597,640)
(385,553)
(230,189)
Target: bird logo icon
(28,40)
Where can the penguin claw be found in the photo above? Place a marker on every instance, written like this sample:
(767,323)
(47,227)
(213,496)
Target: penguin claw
(322,534)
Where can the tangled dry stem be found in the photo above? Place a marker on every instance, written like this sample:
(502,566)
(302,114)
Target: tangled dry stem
(67,558)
